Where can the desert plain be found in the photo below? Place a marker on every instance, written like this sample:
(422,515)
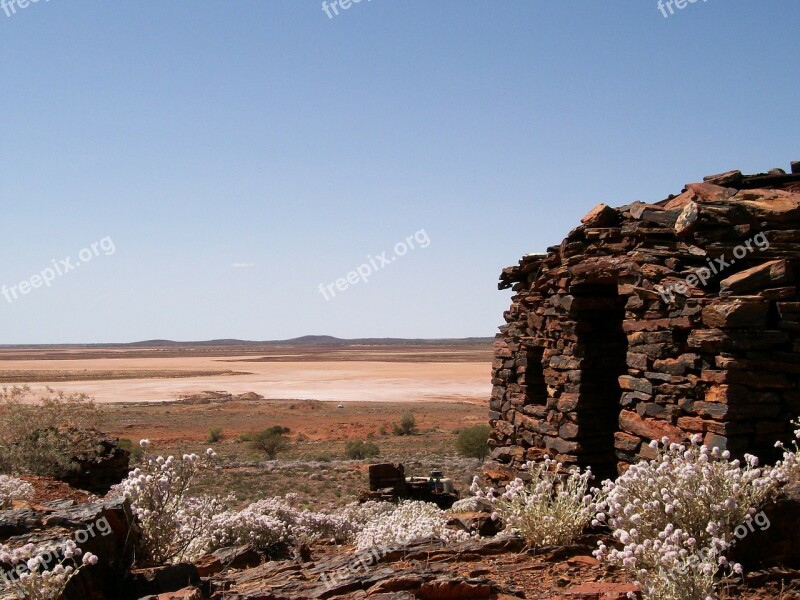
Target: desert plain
(326,395)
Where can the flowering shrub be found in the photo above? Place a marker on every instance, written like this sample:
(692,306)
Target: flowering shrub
(12,488)
(788,469)
(675,516)
(171,521)
(409,521)
(553,508)
(195,522)
(31,580)
(176,526)
(274,520)
(249,526)
(466,505)
(358,516)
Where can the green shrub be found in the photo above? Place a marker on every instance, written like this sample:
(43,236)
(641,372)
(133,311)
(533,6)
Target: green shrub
(358,450)
(214,435)
(473,442)
(46,435)
(407,425)
(278,429)
(270,441)
(275,429)
(135,450)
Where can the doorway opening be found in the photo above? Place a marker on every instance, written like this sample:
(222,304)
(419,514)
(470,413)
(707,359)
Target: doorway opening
(599,311)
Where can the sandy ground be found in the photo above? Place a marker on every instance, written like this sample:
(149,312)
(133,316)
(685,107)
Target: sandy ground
(337,381)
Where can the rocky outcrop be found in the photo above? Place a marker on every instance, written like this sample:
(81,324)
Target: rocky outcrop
(501,567)
(486,568)
(152,582)
(107,468)
(106,529)
(651,320)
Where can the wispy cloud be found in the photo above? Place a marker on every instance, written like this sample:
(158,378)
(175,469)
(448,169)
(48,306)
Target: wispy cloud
(242,265)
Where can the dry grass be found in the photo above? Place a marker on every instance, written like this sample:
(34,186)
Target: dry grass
(315,464)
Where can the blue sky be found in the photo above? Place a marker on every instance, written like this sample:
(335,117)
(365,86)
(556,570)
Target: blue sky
(199,135)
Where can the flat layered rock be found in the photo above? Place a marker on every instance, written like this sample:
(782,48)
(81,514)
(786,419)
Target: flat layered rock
(483,568)
(106,529)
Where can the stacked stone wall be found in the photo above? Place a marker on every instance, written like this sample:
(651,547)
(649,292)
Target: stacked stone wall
(654,320)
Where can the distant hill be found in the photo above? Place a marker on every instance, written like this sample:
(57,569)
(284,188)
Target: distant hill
(306,340)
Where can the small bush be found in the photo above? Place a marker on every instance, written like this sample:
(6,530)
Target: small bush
(675,517)
(11,489)
(411,520)
(473,442)
(552,509)
(214,435)
(276,429)
(270,441)
(274,520)
(135,450)
(787,470)
(407,425)
(358,450)
(171,521)
(46,435)
(465,505)
(36,581)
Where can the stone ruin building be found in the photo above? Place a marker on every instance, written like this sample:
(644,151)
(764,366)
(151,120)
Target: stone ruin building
(654,320)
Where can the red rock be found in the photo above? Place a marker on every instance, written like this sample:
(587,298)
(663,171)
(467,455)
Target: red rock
(190,593)
(451,589)
(736,313)
(600,590)
(775,206)
(693,424)
(601,215)
(589,561)
(726,178)
(770,274)
(626,442)
(631,325)
(651,429)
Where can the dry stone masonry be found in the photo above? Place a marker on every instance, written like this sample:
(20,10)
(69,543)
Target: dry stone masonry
(654,320)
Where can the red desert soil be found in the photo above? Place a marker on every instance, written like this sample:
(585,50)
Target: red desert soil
(47,490)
